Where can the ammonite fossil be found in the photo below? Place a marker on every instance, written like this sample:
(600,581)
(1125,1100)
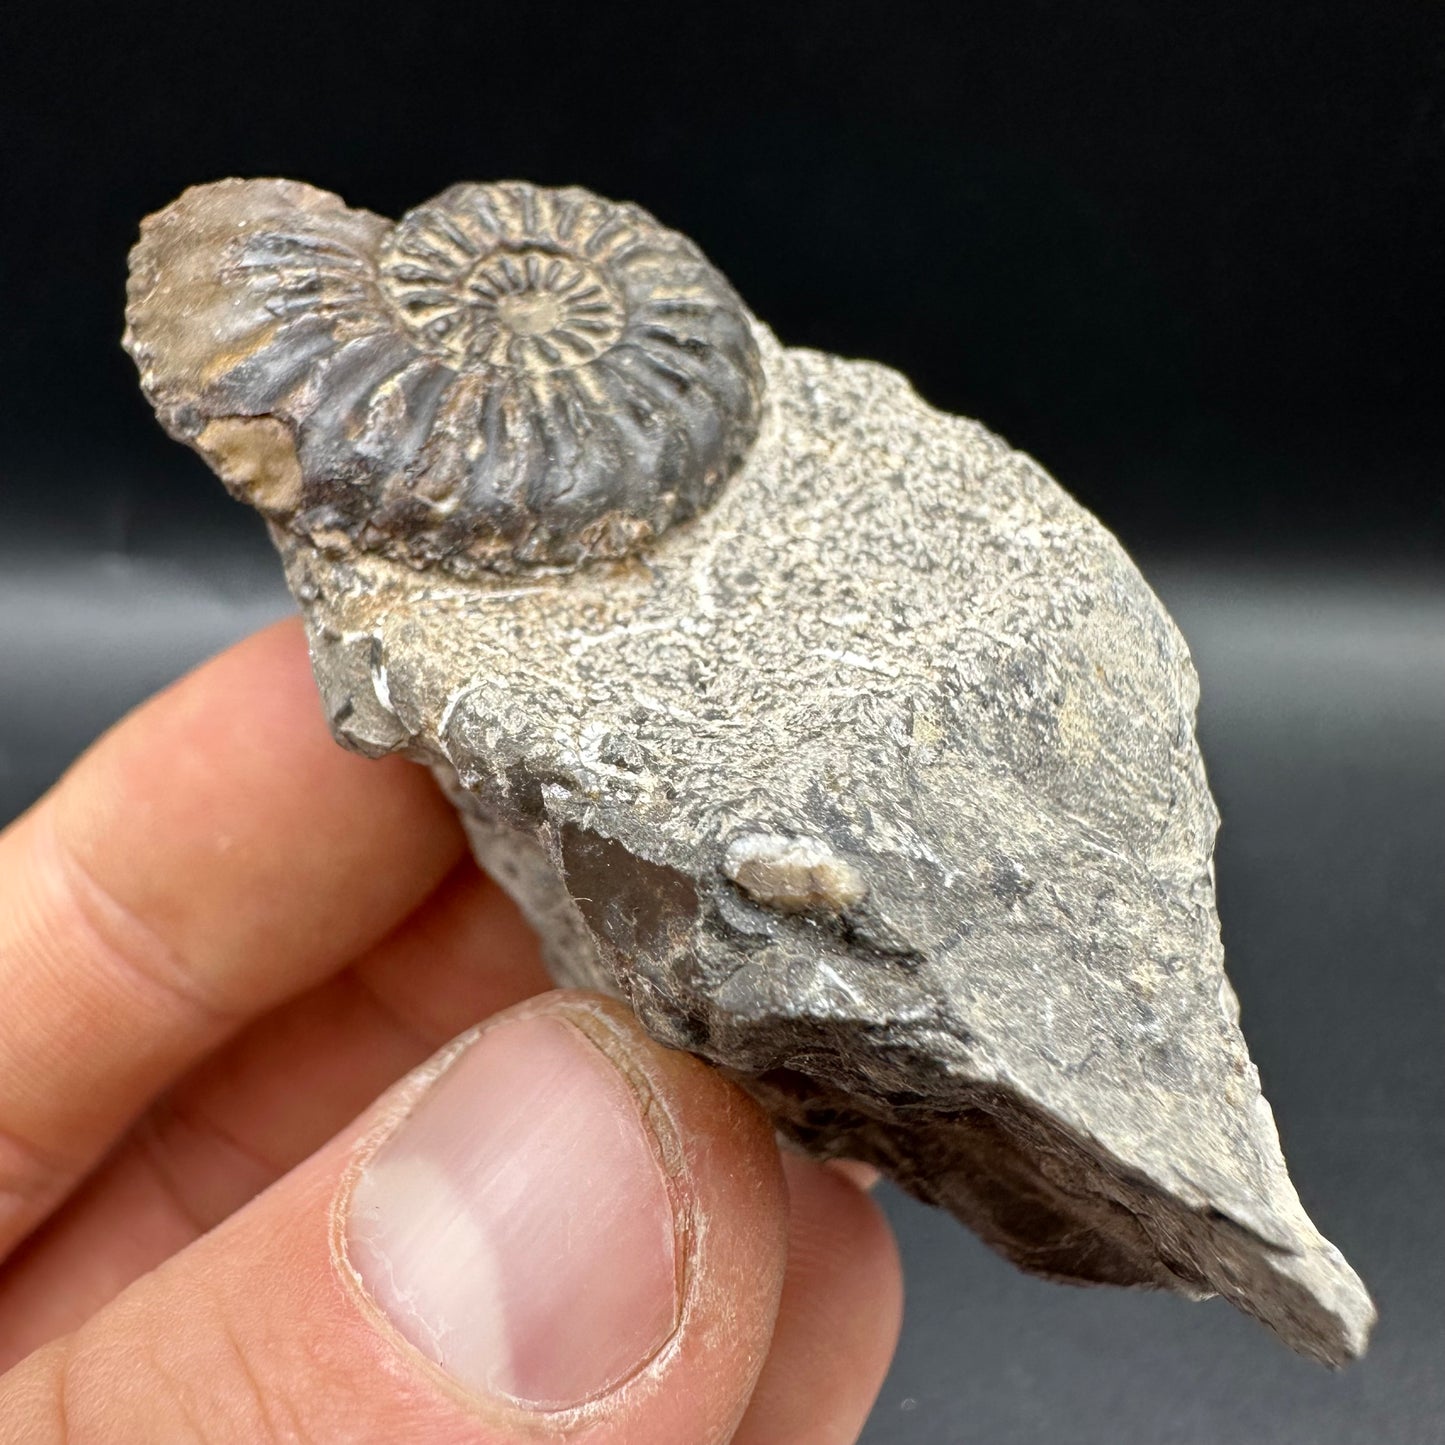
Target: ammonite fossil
(509,376)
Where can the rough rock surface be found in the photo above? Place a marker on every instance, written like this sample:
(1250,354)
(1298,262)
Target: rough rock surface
(900,642)
(875,784)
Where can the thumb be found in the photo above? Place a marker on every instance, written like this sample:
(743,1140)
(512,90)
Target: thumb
(555,1230)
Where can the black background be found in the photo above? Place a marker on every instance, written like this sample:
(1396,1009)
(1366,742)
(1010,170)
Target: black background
(1189,255)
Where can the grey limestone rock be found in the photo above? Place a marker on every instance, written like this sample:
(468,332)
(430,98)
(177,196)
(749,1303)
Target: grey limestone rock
(821,727)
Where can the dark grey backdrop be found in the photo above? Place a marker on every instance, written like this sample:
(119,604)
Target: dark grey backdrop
(1188,255)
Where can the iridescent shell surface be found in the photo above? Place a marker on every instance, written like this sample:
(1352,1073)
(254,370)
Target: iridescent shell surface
(510,376)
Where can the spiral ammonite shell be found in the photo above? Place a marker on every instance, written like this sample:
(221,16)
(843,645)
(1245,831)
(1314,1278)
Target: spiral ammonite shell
(510,376)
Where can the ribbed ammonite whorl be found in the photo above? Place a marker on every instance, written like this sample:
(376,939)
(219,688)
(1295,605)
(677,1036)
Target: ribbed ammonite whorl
(509,376)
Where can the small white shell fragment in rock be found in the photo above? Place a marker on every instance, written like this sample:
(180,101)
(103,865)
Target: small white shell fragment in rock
(792,875)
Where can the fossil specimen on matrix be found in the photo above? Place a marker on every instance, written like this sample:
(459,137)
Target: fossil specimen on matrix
(820,726)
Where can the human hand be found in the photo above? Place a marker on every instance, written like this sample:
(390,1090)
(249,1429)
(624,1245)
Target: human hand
(221,938)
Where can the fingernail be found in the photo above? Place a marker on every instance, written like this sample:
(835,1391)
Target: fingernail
(517,1226)
(862,1176)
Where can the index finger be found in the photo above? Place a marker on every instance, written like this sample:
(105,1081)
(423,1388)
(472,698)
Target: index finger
(213,854)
